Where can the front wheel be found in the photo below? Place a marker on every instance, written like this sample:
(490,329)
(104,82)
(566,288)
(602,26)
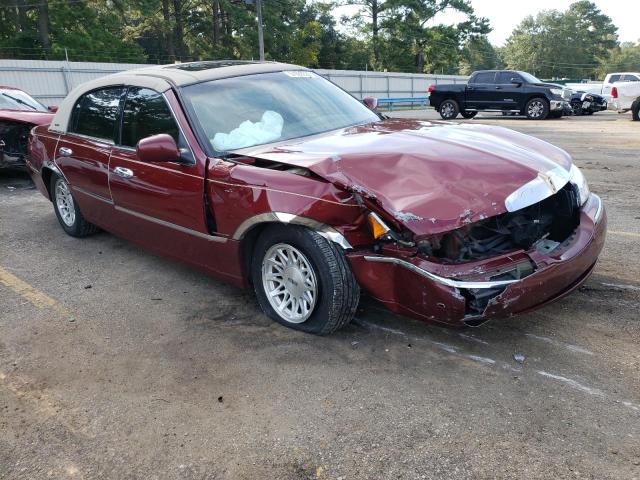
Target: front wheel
(302,280)
(576,108)
(67,210)
(635,110)
(536,109)
(449,109)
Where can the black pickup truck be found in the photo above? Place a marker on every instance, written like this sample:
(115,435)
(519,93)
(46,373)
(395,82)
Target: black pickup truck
(506,91)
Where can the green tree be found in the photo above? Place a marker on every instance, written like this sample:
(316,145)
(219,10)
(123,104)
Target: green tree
(478,54)
(562,44)
(626,57)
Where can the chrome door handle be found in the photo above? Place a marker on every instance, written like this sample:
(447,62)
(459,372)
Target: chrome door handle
(65,152)
(123,172)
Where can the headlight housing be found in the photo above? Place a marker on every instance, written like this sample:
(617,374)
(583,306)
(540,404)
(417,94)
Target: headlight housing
(577,178)
(556,91)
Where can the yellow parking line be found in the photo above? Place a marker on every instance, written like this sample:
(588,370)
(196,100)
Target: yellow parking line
(33,295)
(624,234)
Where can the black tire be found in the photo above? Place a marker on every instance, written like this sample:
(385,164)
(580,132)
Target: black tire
(449,109)
(79,227)
(635,110)
(537,109)
(576,108)
(589,112)
(468,115)
(337,292)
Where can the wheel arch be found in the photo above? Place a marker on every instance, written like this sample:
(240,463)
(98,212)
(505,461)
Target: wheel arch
(249,230)
(47,171)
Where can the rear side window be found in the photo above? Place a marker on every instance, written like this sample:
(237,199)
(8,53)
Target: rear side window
(614,78)
(484,77)
(146,113)
(97,113)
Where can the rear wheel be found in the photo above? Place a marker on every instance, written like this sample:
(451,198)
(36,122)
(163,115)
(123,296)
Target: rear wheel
(536,109)
(302,280)
(449,109)
(67,210)
(466,114)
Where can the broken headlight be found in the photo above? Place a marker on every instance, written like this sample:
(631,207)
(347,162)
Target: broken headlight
(577,178)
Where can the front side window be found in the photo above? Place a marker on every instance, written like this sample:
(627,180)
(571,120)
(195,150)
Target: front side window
(505,77)
(146,113)
(97,113)
(263,108)
(484,77)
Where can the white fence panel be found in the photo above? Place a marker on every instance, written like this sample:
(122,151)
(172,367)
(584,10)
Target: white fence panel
(51,81)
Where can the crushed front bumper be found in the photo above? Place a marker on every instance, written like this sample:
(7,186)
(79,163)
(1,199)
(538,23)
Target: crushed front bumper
(408,284)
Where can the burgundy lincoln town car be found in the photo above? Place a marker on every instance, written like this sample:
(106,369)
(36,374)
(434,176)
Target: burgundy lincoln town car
(267,175)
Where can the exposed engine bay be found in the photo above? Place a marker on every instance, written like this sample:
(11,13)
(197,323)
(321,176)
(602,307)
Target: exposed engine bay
(545,224)
(14,137)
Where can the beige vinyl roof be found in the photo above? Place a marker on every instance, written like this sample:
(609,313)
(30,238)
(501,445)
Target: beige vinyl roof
(162,77)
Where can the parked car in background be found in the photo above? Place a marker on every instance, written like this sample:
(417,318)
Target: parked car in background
(19,113)
(584,103)
(506,91)
(604,88)
(302,192)
(625,96)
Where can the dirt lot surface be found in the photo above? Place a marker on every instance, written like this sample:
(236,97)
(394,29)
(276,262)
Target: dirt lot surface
(117,364)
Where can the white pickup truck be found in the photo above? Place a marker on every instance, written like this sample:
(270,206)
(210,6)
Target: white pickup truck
(604,88)
(625,96)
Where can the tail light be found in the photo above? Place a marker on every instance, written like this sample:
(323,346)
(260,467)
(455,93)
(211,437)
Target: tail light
(614,92)
(431,88)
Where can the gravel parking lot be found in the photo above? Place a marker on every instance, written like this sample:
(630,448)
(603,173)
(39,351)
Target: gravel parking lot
(115,363)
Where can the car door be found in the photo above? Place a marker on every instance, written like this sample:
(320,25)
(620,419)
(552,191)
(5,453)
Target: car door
(507,95)
(159,205)
(480,90)
(83,152)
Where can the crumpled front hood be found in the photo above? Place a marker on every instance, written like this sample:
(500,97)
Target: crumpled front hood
(430,176)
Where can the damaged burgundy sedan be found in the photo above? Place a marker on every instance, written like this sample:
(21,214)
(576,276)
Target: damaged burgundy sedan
(19,113)
(269,176)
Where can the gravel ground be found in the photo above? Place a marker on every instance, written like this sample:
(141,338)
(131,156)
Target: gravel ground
(115,363)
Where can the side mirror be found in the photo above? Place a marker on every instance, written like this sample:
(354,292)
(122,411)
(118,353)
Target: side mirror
(370,102)
(53,108)
(516,81)
(158,148)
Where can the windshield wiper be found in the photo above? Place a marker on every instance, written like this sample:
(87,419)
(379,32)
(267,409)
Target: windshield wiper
(22,102)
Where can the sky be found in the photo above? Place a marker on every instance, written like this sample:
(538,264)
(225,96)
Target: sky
(505,15)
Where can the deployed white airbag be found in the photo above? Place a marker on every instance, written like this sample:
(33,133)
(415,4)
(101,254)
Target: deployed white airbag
(268,129)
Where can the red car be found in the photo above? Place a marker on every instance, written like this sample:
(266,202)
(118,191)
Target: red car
(269,176)
(19,113)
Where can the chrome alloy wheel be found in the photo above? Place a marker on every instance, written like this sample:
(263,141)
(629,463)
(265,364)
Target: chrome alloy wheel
(447,110)
(289,283)
(535,108)
(64,203)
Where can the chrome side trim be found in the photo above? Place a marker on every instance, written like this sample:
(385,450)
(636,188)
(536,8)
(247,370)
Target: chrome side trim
(326,231)
(445,281)
(211,238)
(598,215)
(92,195)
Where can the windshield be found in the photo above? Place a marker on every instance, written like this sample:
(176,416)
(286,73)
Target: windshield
(529,78)
(18,100)
(253,110)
